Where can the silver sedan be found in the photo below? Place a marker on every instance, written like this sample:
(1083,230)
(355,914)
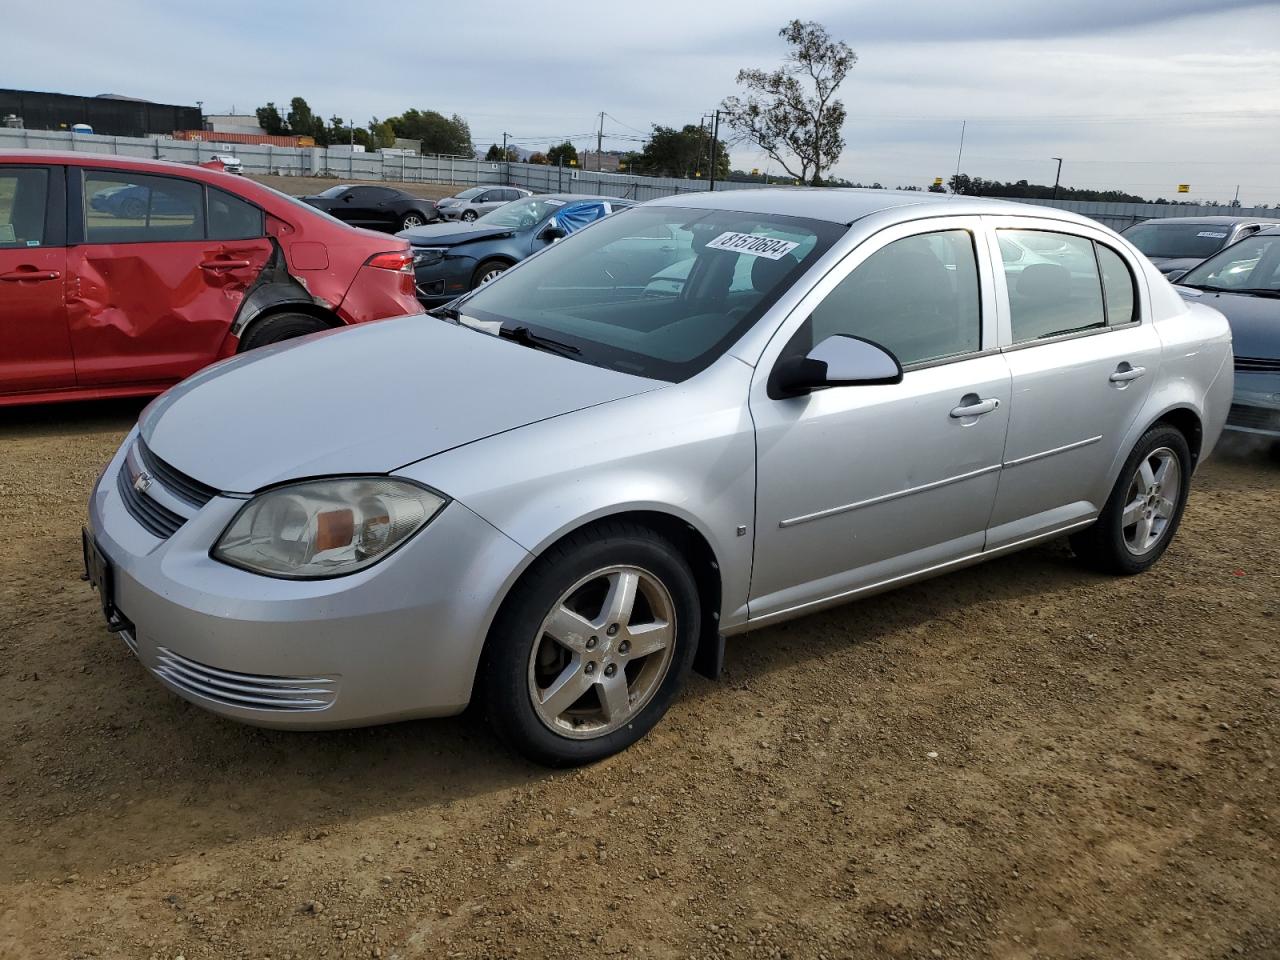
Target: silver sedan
(560,493)
(471,204)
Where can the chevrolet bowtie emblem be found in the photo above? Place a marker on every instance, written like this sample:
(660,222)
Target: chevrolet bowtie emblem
(142,482)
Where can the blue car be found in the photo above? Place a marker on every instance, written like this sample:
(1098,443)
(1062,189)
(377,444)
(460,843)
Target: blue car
(451,258)
(132,203)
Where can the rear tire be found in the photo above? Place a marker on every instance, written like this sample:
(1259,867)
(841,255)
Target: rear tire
(578,689)
(487,271)
(1145,508)
(413,219)
(279,327)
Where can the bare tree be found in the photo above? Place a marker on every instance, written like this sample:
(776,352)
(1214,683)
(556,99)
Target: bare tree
(790,113)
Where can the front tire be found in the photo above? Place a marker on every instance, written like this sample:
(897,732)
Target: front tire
(279,327)
(488,270)
(591,646)
(469,216)
(1145,507)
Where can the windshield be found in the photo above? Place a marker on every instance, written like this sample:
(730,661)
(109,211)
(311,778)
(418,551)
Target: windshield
(656,291)
(1251,264)
(1176,240)
(333,193)
(522,214)
(469,194)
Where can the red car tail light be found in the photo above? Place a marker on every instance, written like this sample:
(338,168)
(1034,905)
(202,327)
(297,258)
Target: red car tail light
(399,260)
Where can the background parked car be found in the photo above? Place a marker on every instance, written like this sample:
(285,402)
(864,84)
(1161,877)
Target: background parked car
(1176,244)
(1243,281)
(477,201)
(377,208)
(449,259)
(120,277)
(224,162)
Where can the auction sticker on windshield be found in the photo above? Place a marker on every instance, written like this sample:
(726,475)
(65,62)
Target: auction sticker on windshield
(1210,233)
(753,244)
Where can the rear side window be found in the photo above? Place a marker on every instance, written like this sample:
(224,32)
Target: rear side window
(23,194)
(231,218)
(1117,287)
(121,207)
(916,297)
(1054,287)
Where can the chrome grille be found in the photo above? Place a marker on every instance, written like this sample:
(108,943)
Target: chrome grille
(1257,365)
(175,481)
(247,690)
(1253,418)
(157,519)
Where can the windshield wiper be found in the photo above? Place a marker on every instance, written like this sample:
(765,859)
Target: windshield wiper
(526,337)
(446,312)
(1259,291)
(1248,291)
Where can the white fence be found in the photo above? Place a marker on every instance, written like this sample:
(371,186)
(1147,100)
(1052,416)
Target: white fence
(467,171)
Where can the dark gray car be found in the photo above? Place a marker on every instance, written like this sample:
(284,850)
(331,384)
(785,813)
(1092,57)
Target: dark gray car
(1176,244)
(451,258)
(1243,281)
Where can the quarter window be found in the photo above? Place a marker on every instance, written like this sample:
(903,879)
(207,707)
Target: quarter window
(1117,286)
(231,218)
(1054,287)
(917,297)
(23,194)
(135,208)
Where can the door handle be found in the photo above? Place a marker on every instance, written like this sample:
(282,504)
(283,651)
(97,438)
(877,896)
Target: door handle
(18,276)
(971,406)
(1124,373)
(224,265)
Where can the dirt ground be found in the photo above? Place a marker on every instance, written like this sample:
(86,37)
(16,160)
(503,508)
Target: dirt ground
(304,186)
(1019,760)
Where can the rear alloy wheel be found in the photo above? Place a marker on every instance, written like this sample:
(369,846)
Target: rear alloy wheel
(469,215)
(411,220)
(279,327)
(133,209)
(489,270)
(1142,514)
(591,646)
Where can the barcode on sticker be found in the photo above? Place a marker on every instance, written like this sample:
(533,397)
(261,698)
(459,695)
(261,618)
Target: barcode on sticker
(753,244)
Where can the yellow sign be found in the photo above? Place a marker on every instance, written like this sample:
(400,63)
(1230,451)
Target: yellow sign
(1184,188)
(755,171)
(937,181)
(573,162)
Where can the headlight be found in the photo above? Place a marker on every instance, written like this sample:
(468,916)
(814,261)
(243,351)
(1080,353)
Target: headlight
(426,256)
(325,528)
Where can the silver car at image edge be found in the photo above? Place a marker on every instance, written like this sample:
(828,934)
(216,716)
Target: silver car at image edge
(559,494)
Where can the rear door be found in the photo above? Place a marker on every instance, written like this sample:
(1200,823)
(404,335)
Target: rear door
(152,297)
(1083,355)
(35,348)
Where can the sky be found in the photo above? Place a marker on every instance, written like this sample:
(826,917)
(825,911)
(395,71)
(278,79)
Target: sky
(1138,95)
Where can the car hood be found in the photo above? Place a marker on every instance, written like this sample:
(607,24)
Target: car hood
(364,399)
(1255,321)
(1168,265)
(452,234)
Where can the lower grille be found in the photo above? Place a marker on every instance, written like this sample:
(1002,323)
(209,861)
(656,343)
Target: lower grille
(1253,418)
(158,520)
(1257,365)
(248,690)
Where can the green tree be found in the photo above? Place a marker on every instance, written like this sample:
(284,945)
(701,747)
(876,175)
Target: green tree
(791,113)
(436,132)
(538,157)
(381,134)
(494,152)
(563,153)
(682,153)
(269,119)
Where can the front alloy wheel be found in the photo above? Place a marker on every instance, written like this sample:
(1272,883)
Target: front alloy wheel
(602,652)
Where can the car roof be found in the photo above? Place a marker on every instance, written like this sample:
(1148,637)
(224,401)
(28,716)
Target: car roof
(1218,221)
(580,197)
(845,205)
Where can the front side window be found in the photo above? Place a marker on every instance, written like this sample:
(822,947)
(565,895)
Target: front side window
(121,207)
(1054,287)
(655,291)
(23,194)
(1250,266)
(917,297)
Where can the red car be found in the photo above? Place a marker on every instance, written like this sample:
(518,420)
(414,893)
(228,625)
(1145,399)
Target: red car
(120,277)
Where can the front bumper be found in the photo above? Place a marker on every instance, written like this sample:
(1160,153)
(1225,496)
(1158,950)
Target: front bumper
(445,279)
(400,639)
(1255,405)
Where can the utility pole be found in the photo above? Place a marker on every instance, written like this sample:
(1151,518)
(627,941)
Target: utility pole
(505,158)
(599,141)
(715,142)
(1057,176)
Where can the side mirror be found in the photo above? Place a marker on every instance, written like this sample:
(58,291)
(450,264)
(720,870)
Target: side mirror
(346,198)
(552,232)
(838,361)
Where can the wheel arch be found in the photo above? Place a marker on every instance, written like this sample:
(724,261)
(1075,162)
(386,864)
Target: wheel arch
(308,307)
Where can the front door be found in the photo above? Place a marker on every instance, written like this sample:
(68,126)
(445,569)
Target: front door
(153,293)
(1083,355)
(35,348)
(858,486)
